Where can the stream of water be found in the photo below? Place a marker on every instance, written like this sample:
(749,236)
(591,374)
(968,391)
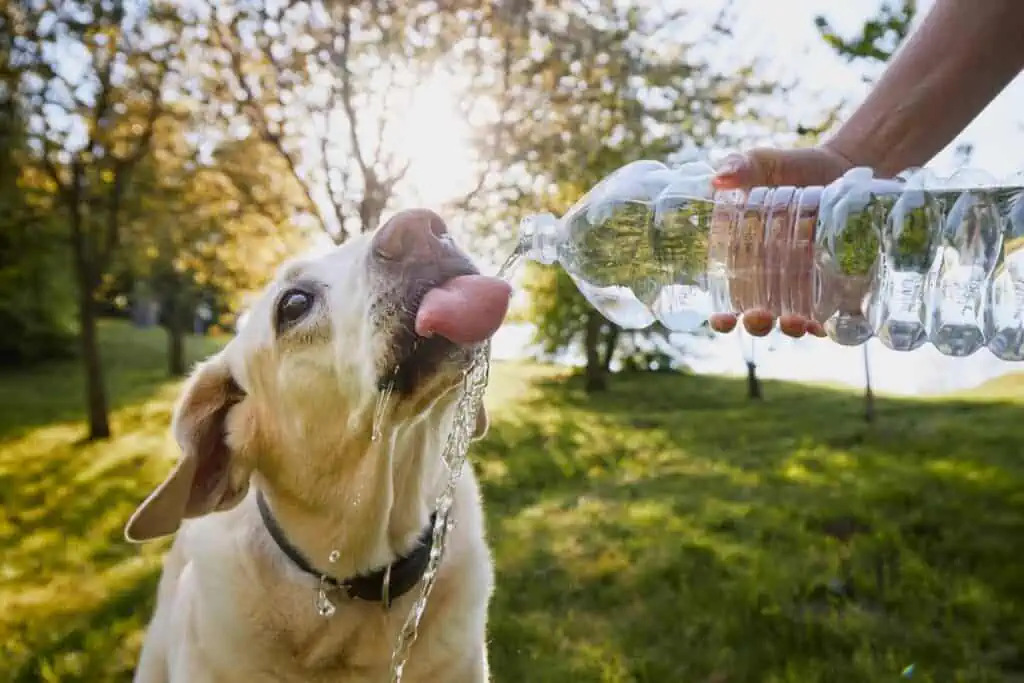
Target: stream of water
(470,402)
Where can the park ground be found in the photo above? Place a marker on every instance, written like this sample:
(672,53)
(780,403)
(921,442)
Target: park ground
(669,530)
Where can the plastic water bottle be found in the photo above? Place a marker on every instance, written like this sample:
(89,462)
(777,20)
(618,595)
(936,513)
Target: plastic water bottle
(912,260)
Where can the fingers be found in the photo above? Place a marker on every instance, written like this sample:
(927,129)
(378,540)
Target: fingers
(759,323)
(772,167)
(767,167)
(734,173)
(756,168)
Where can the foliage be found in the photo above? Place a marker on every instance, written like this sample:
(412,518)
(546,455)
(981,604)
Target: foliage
(669,531)
(206,232)
(591,88)
(879,37)
(89,77)
(326,85)
(36,307)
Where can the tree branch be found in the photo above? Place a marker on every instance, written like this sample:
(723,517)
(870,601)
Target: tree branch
(341,61)
(123,168)
(336,196)
(258,115)
(104,75)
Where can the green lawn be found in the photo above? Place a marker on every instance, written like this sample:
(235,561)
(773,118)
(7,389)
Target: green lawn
(668,531)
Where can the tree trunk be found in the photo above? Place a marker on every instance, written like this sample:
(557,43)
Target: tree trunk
(176,314)
(611,341)
(371,208)
(95,388)
(869,395)
(753,383)
(596,377)
(175,348)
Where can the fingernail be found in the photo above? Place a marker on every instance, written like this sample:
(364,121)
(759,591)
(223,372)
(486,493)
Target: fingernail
(731,165)
(816,329)
(723,323)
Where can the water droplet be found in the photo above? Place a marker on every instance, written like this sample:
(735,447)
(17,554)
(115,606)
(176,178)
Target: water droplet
(380,411)
(324,607)
(508,267)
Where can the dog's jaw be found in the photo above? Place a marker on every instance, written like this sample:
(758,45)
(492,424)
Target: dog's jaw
(408,363)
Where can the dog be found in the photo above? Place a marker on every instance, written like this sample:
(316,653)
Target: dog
(286,486)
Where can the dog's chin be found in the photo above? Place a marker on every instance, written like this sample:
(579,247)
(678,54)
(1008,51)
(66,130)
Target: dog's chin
(416,364)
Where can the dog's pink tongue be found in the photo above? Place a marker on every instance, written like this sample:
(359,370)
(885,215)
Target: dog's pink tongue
(464,310)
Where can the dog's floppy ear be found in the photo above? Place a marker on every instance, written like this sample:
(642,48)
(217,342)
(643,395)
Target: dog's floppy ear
(209,476)
(483,421)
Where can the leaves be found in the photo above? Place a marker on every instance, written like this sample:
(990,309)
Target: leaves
(591,87)
(878,38)
(210,228)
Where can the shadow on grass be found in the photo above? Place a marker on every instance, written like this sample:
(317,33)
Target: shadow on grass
(672,530)
(74,595)
(110,628)
(667,531)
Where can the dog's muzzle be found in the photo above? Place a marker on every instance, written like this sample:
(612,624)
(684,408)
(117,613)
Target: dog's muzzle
(439,304)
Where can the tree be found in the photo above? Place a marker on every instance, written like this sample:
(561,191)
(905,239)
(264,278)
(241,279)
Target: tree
(200,230)
(90,76)
(36,306)
(879,37)
(876,42)
(325,84)
(587,88)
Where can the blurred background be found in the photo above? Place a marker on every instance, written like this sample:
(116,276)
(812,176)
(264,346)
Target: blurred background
(705,508)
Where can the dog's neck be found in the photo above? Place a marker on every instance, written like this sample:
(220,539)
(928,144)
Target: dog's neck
(374,511)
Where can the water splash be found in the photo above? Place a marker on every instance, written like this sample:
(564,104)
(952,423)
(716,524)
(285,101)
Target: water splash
(509,266)
(380,410)
(469,403)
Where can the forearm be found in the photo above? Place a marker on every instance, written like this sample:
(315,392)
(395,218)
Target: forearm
(962,56)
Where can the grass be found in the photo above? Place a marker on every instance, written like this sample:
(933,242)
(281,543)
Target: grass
(667,531)
(73,595)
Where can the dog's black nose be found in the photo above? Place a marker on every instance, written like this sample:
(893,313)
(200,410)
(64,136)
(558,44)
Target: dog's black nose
(416,235)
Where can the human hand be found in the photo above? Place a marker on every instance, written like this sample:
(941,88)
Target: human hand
(766,167)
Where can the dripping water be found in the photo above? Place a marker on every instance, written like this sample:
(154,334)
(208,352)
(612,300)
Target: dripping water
(509,266)
(380,410)
(474,384)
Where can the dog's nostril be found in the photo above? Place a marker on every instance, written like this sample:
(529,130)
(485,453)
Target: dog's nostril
(417,233)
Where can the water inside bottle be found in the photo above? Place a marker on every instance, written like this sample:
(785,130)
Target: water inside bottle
(642,261)
(912,261)
(968,255)
(467,406)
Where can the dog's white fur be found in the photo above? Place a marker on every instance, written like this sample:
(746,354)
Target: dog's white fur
(296,415)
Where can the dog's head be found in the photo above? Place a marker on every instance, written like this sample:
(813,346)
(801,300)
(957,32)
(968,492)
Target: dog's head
(294,394)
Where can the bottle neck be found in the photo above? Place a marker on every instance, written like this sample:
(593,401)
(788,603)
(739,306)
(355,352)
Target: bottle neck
(540,237)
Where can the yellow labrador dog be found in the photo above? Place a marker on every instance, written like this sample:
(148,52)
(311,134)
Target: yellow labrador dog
(283,485)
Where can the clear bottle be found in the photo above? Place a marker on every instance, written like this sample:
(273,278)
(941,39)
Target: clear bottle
(912,260)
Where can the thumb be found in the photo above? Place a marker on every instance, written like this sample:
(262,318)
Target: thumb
(774,167)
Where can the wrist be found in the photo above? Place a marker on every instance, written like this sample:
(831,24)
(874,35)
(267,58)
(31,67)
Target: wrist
(854,151)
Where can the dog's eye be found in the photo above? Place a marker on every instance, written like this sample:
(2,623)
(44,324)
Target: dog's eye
(292,307)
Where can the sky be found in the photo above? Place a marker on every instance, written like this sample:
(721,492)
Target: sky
(783,31)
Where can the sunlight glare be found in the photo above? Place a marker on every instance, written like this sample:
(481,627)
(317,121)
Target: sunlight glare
(437,140)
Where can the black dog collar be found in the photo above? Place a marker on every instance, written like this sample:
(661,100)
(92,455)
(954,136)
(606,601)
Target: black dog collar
(383,585)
